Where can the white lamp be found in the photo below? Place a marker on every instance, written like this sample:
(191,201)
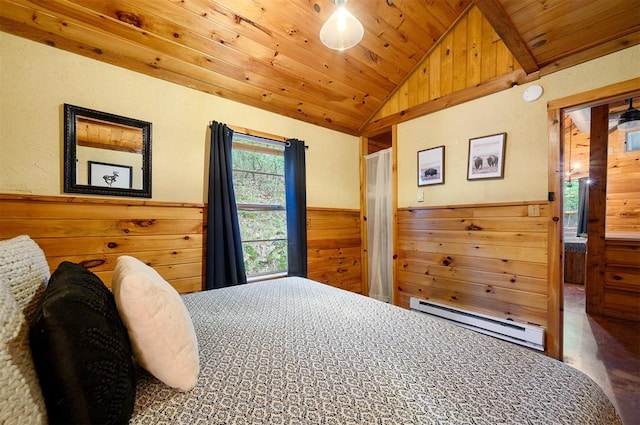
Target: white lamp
(342,30)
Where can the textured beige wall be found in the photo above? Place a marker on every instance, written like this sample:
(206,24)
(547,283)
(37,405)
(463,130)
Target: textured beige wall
(36,80)
(525,123)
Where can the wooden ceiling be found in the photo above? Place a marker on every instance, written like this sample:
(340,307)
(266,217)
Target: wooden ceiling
(267,53)
(577,138)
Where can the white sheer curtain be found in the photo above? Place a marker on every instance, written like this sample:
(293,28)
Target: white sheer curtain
(379,225)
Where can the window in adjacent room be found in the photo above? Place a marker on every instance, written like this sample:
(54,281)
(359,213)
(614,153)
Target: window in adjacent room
(258,178)
(632,140)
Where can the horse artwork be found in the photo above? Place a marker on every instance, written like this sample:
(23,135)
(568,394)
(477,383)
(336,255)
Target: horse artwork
(110,176)
(111,179)
(486,157)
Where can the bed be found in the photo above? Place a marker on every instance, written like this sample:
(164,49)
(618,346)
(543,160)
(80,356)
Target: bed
(294,351)
(285,351)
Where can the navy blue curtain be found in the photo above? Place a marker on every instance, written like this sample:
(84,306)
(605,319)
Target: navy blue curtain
(583,206)
(225,262)
(296,195)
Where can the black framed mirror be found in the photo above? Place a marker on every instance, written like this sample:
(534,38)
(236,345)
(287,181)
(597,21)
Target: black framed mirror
(106,154)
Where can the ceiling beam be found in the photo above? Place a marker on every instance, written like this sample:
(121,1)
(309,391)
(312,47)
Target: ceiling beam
(501,23)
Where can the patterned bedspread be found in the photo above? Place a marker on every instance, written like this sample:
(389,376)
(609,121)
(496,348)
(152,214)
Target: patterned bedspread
(293,351)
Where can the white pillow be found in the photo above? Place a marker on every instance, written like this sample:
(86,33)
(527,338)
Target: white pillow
(21,399)
(159,326)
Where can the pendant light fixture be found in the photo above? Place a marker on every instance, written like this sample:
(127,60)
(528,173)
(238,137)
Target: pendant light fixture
(342,30)
(629,118)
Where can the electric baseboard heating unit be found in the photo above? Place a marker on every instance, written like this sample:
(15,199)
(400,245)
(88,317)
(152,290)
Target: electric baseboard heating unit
(528,335)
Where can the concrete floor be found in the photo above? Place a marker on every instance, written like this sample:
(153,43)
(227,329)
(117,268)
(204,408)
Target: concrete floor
(607,350)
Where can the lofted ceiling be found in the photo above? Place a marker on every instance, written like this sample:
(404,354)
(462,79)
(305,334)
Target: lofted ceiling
(267,53)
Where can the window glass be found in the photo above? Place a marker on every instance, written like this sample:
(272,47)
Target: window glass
(258,177)
(258,188)
(632,140)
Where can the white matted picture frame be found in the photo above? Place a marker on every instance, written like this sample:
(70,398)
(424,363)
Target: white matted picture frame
(431,166)
(102,174)
(487,157)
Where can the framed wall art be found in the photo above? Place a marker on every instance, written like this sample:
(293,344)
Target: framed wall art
(96,144)
(110,175)
(486,157)
(431,166)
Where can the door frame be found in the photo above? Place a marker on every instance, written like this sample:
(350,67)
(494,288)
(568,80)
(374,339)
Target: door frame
(555,273)
(364,257)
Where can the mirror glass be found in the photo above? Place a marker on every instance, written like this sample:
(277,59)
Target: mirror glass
(106,154)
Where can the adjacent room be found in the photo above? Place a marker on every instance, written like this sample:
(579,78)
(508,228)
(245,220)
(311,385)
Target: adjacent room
(329,211)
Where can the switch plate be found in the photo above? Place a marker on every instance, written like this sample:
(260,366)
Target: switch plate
(534,210)
(420,197)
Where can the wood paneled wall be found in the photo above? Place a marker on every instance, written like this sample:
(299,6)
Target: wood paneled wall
(623,188)
(576,151)
(334,247)
(471,53)
(621,291)
(487,258)
(94,232)
(167,236)
(622,279)
(623,177)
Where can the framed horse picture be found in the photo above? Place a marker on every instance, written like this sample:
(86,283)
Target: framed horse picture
(102,174)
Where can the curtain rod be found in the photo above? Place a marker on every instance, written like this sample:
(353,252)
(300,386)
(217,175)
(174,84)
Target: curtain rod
(261,134)
(258,133)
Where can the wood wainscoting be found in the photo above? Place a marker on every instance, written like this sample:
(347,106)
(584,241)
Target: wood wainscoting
(95,231)
(334,247)
(490,258)
(621,298)
(167,236)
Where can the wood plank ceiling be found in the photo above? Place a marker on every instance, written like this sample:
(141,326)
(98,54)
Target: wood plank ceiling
(577,137)
(267,53)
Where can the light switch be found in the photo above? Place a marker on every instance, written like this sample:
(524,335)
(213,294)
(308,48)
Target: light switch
(420,196)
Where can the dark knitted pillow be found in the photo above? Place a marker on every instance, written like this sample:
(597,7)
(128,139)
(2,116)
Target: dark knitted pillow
(81,350)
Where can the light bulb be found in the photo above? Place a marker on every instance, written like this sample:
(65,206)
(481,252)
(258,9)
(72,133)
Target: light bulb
(341,15)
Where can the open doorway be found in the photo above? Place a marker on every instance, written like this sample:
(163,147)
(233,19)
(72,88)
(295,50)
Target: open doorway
(575,193)
(377,208)
(600,189)
(615,158)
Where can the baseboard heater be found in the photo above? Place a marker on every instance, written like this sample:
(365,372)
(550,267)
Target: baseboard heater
(528,335)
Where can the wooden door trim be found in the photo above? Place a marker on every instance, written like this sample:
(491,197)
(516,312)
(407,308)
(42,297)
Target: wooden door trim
(599,95)
(394,207)
(364,255)
(555,303)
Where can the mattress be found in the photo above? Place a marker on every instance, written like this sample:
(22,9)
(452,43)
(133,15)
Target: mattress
(294,351)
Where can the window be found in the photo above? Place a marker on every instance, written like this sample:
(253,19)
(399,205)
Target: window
(571,206)
(258,178)
(632,140)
